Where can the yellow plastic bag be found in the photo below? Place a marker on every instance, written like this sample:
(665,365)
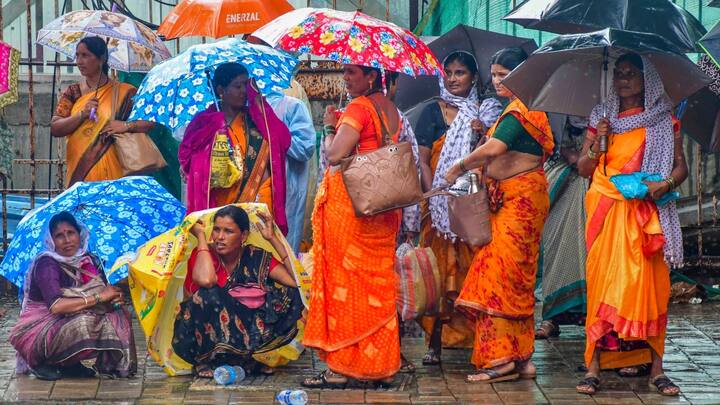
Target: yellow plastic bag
(224,170)
(157,273)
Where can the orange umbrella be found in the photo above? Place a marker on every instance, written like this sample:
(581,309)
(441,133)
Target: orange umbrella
(220,18)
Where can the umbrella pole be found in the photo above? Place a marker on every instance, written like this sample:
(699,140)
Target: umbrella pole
(212,89)
(603,140)
(603,98)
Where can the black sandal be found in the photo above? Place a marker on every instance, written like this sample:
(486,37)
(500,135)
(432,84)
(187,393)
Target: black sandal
(321,382)
(431,358)
(591,382)
(546,330)
(661,383)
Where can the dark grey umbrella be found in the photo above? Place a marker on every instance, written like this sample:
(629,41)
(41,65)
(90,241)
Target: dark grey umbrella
(701,116)
(483,44)
(659,17)
(566,74)
(714,3)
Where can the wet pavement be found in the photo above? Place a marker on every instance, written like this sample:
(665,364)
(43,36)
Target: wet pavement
(692,361)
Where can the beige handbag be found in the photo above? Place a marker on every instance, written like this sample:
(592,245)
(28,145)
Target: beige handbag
(384,179)
(136,152)
(469,214)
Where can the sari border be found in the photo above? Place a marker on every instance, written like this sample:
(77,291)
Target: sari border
(608,320)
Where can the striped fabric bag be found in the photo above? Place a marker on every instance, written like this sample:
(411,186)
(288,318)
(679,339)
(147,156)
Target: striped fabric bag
(418,282)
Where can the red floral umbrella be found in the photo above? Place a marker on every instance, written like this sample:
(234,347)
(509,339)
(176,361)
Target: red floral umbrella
(351,38)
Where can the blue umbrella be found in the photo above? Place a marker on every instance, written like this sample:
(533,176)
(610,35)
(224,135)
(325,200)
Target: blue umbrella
(177,89)
(120,214)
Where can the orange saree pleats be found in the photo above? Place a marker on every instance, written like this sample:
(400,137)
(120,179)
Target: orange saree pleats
(498,290)
(628,282)
(352,319)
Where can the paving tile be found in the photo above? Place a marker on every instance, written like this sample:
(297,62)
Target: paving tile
(387,398)
(342,397)
(435,399)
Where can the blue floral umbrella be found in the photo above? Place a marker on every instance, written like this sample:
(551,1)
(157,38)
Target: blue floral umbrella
(174,91)
(120,214)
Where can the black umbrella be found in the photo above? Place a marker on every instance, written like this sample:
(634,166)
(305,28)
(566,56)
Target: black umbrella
(714,3)
(482,44)
(566,75)
(701,118)
(710,43)
(660,17)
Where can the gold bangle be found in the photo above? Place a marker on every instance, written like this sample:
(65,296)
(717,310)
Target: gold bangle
(97,298)
(671,182)
(85,299)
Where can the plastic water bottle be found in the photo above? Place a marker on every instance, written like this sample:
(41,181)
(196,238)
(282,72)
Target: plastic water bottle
(226,375)
(292,397)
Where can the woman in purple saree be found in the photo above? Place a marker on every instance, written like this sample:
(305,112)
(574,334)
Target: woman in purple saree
(70,313)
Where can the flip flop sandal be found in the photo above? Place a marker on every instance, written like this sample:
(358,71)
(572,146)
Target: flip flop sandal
(494,376)
(407,367)
(592,382)
(203,371)
(661,383)
(431,358)
(321,382)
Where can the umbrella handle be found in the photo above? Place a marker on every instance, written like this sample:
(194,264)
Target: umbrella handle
(212,89)
(603,140)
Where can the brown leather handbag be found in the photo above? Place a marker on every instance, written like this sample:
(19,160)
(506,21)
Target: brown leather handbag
(469,214)
(384,179)
(136,152)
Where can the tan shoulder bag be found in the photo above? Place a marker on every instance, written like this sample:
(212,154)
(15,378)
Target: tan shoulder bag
(384,179)
(136,152)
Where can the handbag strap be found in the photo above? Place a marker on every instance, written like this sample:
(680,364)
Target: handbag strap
(114,100)
(386,138)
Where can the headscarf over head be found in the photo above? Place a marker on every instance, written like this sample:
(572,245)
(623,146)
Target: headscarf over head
(659,147)
(460,140)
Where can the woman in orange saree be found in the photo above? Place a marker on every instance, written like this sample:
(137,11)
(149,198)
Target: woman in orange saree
(88,117)
(631,242)
(498,290)
(352,321)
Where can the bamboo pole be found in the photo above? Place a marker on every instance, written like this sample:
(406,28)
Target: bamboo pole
(31,106)
(387,10)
